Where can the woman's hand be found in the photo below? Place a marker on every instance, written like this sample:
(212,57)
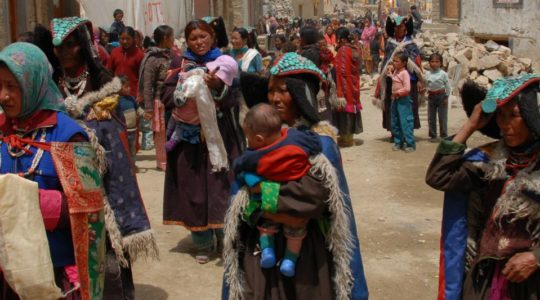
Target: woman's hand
(520,266)
(286,219)
(212,80)
(389,70)
(477,120)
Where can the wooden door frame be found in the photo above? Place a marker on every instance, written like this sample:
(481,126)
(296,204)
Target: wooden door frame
(12,16)
(442,11)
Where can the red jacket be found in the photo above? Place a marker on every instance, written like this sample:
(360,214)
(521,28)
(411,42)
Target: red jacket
(127,63)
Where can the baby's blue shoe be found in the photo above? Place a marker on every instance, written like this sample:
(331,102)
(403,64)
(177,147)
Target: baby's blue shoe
(268,258)
(288,267)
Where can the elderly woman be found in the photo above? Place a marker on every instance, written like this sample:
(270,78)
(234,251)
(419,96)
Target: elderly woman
(496,190)
(33,112)
(195,196)
(322,271)
(91,94)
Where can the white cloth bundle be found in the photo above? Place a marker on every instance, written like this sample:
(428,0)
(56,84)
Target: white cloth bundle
(24,250)
(196,89)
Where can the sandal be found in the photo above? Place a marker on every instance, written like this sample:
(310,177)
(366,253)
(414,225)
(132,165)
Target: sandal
(202,258)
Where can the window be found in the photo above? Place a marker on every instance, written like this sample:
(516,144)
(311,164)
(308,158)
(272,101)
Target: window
(507,3)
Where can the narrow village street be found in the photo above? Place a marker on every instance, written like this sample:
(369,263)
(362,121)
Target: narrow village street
(397,214)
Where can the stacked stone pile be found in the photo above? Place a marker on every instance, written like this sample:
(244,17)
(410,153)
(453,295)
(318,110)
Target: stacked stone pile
(466,59)
(282,9)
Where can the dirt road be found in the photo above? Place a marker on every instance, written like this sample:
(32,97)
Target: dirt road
(397,214)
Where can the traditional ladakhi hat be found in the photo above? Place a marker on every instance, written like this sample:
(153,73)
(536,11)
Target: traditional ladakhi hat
(525,89)
(62,28)
(395,20)
(303,80)
(219,28)
(471,95)
(301,76)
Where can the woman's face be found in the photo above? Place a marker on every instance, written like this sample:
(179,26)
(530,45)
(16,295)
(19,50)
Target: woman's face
(200,41)
(367,23)
(280,98)
(104,38)
(126,40)
(514,131)
(278,44)
(10,93)
(236,41)
(329,30)
(69,53)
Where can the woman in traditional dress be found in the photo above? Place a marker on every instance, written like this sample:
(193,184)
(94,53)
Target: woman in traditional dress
(322,271)
(330,37)
(33,112)
(153,72)
(347,115)
(91,94)
(195,197)
(244,51)
(368,35)
(495,188)
(399,30)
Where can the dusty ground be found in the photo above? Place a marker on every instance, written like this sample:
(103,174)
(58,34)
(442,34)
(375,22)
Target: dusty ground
(397,214)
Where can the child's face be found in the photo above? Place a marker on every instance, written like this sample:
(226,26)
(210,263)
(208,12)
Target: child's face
(126,89)
(435,63)
(398,64)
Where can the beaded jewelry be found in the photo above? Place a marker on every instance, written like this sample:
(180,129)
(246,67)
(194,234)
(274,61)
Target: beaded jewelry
(74,84)
(25,150)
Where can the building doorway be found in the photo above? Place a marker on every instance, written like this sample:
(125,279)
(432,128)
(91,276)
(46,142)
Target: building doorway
(450,9)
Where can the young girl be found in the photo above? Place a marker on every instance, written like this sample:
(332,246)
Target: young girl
(438,89)
(402,115)
(131,111)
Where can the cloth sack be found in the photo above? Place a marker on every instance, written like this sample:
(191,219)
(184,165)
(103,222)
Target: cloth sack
(195,88)
(24,250)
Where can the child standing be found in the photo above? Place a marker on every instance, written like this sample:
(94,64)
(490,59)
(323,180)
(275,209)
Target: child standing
(131,112)
(402,114)
(438,89)
(277,155)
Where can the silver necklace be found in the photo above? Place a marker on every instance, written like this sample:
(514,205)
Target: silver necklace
(74,84)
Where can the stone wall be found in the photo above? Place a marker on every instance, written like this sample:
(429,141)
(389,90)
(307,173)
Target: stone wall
(4,24)
(517,25)
(436,11)
(282,8)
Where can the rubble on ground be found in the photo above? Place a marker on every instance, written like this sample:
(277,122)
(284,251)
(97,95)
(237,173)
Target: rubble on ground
(464,58)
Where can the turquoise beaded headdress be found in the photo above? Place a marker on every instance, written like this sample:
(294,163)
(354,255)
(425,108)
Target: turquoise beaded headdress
(504,89)
(62,28)
(292,63)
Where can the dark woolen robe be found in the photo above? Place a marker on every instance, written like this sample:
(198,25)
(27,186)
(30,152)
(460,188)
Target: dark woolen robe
(194,197)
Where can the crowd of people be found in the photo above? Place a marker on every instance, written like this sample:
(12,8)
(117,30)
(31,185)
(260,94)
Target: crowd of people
(248,131)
